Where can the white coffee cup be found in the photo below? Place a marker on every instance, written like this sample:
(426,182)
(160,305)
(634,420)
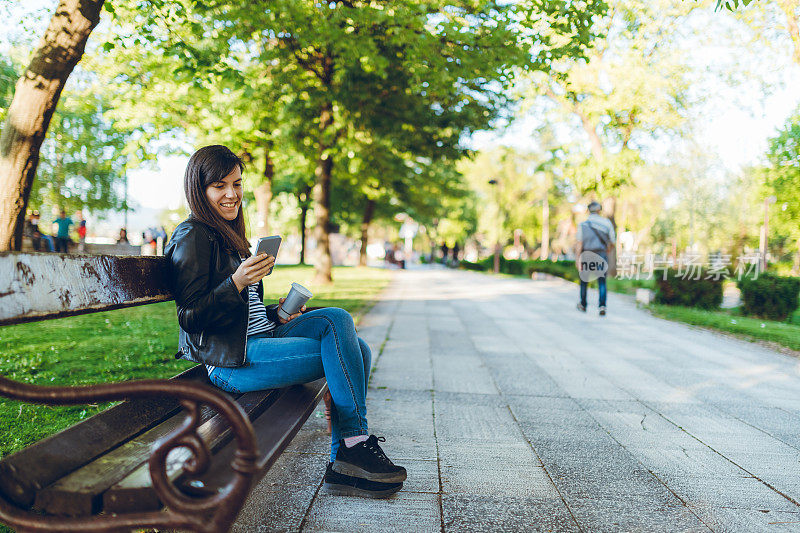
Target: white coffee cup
(297,298)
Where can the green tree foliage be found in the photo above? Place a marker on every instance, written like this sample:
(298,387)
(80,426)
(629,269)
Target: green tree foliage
(9,74)
(731,5)
(29,115)
(419,75)
(630,95)
(783,182)
(82,162)
(772,22)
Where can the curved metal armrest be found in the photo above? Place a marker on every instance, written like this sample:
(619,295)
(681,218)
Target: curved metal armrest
(213,513)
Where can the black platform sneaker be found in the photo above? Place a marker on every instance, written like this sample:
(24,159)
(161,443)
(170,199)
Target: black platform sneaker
(367,460)
(342,485)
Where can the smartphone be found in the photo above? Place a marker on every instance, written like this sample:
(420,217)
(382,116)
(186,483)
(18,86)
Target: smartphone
(269,246)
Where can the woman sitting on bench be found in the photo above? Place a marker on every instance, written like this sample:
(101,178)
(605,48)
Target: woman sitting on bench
(247,346)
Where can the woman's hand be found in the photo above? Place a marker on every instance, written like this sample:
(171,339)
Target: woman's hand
(252,270)
(291,317)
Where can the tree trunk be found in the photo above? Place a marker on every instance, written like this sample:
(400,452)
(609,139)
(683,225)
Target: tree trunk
(303,215)
(369,210)
(545,228)
(610,210)
(796,265)
(263,193)
(591,130)
(322,186)
(302,201)
(323,263)
(35,99)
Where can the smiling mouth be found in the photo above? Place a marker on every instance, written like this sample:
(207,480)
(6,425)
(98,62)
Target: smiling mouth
(230,205)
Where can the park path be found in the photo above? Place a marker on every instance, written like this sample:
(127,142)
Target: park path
(514,412)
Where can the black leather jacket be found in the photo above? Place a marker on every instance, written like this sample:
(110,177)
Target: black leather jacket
(212,314)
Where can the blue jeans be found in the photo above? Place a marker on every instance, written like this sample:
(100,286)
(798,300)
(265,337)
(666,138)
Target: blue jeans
(601,284)
(320,343)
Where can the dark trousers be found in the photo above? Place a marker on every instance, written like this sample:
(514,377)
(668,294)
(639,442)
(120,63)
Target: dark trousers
(62,245)
(601,283)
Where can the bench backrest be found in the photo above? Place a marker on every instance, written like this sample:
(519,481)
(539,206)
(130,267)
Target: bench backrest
(38,286)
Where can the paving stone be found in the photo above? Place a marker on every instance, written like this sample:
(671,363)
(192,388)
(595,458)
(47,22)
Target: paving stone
(405,418)
(444,344)
(631,515)
(423,476)
(717,491)
(494,514)
(475,422)
(518,374)
(685,461)
(774,421)
(609,480)
(584,383)
(279,502)
(313,438)
(483,454)
(639,428)
(466,399)
(552,415)
(450,325)
(515,481)
(762,463)
(495,344)
(399,376)
(462,374)
(733,520)
(403,511)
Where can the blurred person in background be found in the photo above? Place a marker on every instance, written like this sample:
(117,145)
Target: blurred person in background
(595,238)
(31,230)
(61,227)
(81,232)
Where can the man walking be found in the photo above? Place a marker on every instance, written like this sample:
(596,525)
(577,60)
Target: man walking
(595,239)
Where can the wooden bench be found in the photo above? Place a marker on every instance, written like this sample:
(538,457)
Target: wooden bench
(178,454)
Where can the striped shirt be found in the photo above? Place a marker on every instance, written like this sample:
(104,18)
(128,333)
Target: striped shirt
(257,321)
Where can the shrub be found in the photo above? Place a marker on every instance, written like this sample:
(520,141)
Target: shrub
(468,265)
(689,291)
(562,269)
(526,267)
(515,267)
(769,296)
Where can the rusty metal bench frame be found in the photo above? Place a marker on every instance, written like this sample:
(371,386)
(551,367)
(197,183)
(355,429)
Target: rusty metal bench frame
(84,284)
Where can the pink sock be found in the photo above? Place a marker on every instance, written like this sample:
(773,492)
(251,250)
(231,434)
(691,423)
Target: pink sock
(352,441)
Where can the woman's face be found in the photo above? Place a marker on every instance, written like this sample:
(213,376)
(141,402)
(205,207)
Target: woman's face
(225,196)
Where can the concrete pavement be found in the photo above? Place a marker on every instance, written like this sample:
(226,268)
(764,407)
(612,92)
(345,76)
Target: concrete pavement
(512,411)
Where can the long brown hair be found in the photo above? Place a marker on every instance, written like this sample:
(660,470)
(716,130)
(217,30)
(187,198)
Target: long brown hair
(208,165)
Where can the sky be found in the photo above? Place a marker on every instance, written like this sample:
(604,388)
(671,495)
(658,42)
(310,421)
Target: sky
(733,123)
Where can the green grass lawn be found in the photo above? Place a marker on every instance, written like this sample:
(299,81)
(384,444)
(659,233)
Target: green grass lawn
(784,333)
(134,343)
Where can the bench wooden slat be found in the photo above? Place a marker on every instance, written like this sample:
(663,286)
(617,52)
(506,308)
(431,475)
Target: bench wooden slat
(274,430)
(79,493)
(135,491)
(27,471)
(37,286)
